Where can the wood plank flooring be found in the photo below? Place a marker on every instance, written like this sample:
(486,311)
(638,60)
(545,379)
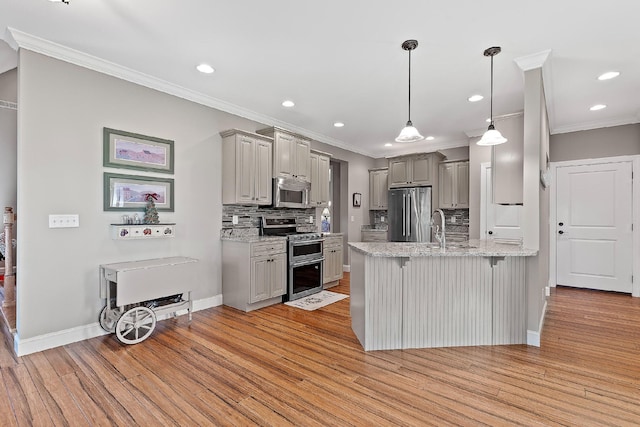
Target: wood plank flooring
(283,366)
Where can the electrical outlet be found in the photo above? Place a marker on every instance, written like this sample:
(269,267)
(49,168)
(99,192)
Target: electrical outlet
(353,218)
(234,220)
(311,220)
(547,291)
(381,219)
(64,221)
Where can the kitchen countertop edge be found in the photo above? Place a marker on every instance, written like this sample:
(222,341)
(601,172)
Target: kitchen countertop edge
(483,248)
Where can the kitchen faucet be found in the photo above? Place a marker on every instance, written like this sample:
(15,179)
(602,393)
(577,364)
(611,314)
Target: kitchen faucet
(439,232)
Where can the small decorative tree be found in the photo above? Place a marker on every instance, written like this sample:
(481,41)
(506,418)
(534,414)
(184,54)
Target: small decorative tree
(150,211)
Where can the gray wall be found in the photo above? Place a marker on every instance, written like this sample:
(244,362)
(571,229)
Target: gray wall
(596,143)
(8,140)
(63,109)
(458,153)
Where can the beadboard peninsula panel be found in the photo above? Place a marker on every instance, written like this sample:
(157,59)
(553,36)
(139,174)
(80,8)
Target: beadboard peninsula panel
(450,304)
(509,296)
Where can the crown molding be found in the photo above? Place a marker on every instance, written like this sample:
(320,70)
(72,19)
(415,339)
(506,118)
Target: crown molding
(18,39)
(595,125)
(535,60)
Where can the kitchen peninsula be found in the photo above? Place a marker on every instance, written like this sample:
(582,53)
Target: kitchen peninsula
(417,295)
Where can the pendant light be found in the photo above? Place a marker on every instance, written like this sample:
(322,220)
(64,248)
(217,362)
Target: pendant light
(409,133)
(492,136)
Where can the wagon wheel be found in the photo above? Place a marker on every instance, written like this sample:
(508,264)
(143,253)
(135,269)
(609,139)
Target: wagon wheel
(135,325)
(108,319)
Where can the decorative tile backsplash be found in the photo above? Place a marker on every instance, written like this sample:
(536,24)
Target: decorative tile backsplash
(457,220)
(249,216)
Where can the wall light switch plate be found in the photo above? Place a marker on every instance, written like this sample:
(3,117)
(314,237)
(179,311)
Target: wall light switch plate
(64,221)
(234,219)
(311,220)
(353,218)
(381,219)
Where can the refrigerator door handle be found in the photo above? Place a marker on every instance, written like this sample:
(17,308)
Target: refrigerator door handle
(404,214)
(409,215)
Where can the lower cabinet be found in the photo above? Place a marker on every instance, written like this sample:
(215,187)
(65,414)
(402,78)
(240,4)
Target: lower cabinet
(262,284)
(332,267)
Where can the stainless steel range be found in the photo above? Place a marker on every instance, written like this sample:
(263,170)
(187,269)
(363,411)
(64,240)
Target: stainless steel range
(304,253)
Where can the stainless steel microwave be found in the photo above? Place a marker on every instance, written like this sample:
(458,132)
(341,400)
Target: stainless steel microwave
(290,193)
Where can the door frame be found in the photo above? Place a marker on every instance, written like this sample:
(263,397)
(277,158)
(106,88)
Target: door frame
(635,206)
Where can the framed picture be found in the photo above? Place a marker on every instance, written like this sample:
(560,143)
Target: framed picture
(134,151)
(357,200)
(129,192)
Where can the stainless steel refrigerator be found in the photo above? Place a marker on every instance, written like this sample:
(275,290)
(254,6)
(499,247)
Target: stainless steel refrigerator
(410,214)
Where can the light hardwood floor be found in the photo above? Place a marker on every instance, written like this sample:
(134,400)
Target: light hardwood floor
(284,366)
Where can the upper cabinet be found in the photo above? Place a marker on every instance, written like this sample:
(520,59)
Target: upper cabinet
(453,182)
(414,170)
(507,162)
(291,154)
(319,173)
(378,187)
(246,168)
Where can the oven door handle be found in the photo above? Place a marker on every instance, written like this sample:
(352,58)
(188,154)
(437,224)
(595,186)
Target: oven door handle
(301,264)
(305,242)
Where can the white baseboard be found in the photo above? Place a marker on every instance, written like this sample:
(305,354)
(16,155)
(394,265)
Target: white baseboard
(346,268)
(79,333)
(533,337)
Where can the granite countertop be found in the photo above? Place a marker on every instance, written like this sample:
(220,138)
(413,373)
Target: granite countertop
(254,239)
(332,234)
(473,247)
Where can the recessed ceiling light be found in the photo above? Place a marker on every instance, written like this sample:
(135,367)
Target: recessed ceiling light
(429,138)
(609,75)
(598,107)
(205,68)
(288,103)
(338,124)
(475,98)
(388,144)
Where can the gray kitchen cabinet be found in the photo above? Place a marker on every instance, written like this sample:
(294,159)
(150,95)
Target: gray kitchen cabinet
(374,235)
(291,153)
(453,182)
(378,188)
(332,267)
(319,173)
(246,168)
(414,170)
(260,285)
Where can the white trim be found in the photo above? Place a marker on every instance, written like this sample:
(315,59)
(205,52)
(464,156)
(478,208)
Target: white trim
(533,337)
(483,199)
(635,162)
(17,38)
(595,125)
(346,267)
(535,60)
(80,333)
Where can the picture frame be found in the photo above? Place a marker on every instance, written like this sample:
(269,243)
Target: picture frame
(129,150)
(127,192)
(357,200)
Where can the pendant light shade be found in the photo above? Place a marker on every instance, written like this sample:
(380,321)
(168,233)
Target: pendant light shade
(409,133)
(492,136)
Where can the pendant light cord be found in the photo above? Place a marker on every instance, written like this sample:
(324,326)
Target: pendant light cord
(409,86)
(491,90)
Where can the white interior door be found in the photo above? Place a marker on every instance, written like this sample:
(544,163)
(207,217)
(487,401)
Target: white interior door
(501,221)
(594,226)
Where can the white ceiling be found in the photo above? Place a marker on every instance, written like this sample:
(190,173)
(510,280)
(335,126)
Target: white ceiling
(342,61)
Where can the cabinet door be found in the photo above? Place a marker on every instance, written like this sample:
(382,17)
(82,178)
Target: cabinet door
(315,179)
(374,191)
(263,167)
(301,165)
(421,171)
(327,266)
(260,288)
(245,175)
(284,155)
(337,264)
(323,179)
(399,172)
(462,185)
(446,185)
(278,275)
(383,178)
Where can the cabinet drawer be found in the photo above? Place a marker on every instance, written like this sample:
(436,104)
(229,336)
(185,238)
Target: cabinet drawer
(374,236)
(332,242)
(268,248)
